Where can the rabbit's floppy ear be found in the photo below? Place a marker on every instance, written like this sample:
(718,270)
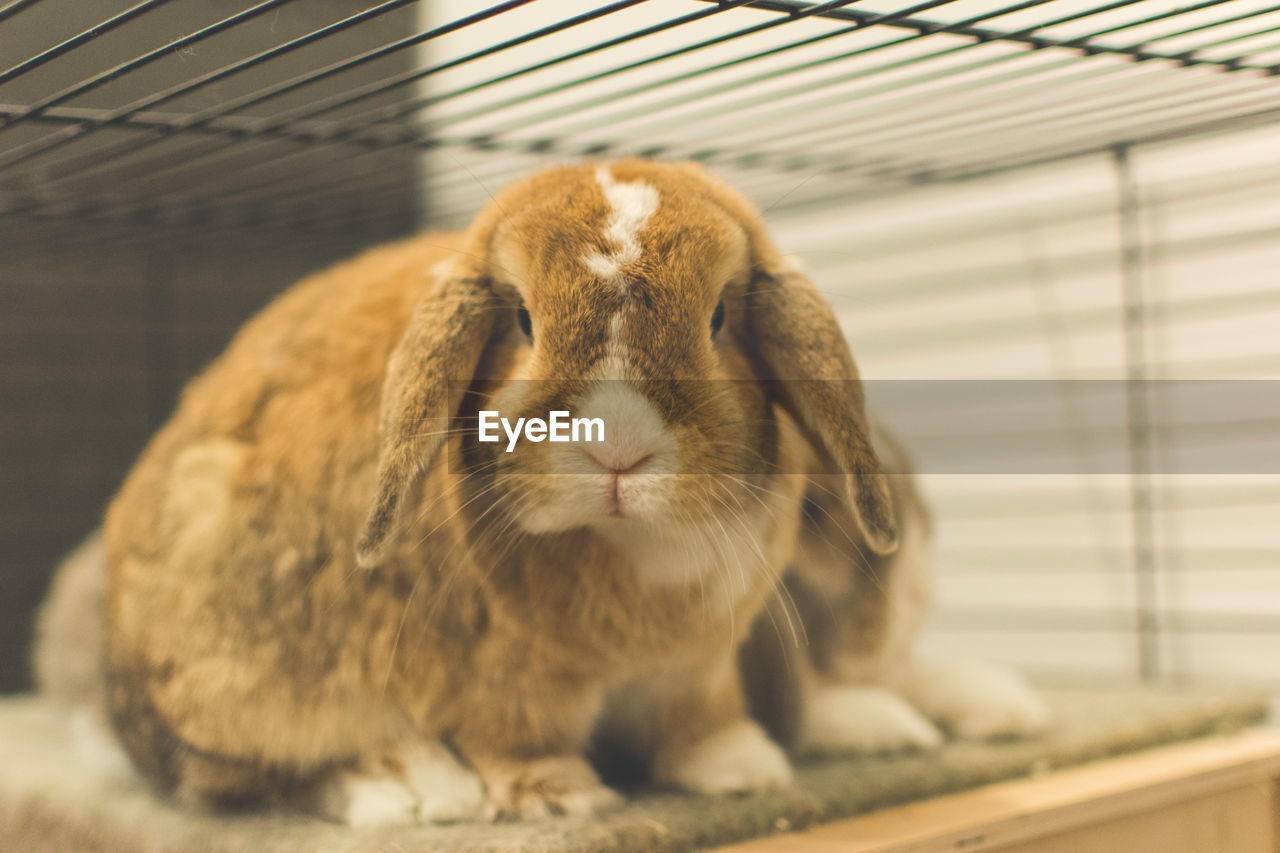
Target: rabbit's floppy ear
(811,371)
(792,335)
(445,338)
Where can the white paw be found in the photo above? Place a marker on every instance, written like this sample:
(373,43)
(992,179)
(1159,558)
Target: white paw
(368,801)
(979,701)
(864,719)
(739,758)
(445,790)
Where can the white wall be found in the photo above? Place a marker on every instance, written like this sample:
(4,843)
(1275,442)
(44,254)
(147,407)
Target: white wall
(1019,276)
(1013,276)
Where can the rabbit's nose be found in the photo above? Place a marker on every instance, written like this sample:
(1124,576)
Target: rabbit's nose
(633,432)
(632,436)
(618,460)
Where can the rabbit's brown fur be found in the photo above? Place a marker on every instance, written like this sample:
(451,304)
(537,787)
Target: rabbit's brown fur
(250,653)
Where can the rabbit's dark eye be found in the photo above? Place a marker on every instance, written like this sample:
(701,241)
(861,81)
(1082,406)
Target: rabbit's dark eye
(717,317)
(525,321)
(810,509)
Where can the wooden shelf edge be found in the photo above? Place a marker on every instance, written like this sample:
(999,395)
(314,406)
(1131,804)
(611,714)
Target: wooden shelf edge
(1026,809)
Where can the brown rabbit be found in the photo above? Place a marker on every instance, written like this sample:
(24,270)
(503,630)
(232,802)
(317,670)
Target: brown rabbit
(323,585)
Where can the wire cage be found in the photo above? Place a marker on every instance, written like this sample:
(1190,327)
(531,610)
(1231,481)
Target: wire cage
(1078,195)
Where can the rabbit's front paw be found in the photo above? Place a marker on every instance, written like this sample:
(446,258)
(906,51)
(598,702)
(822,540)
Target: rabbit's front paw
(366,800)
(558,785)
(738,758)
(863,720)
(415,783)
(445,790)
(976,700)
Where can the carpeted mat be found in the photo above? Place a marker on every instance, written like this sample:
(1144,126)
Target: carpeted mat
(49,803)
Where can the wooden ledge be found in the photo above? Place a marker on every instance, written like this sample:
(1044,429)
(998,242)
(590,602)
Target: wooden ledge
(1216,795)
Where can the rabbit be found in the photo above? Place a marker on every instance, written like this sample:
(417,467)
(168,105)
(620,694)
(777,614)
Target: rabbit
(324,591)
(853,683)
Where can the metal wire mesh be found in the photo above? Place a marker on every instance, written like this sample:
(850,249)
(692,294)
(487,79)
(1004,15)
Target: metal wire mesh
(203,122)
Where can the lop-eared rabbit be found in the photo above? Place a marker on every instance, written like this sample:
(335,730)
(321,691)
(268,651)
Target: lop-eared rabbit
(322,589)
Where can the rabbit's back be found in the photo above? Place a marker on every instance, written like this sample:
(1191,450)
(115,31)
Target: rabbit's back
(229,545)
(288,412)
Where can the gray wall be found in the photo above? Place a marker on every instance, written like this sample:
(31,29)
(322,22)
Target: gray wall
(101,322)
(97,335)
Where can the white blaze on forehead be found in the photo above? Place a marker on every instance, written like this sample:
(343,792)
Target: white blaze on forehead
(631,203)
(617,361)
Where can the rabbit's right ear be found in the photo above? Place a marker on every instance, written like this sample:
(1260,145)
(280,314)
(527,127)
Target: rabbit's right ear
(794,332)
(444,341)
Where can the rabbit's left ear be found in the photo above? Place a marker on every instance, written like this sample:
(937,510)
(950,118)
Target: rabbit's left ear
(792,335)
(793,331)
(445,338)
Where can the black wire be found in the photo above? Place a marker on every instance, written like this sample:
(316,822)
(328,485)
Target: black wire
(15,7)
(1092,141)
(117,115)
(933,173)
(751,81)
(773,120)
(820,106)
(339,132)
(76,41)
(415,138)
(318,108)
(271,126)
(408,136)
(921,29)
(1135,105)
(1003,101)
(134,64)
(276,89)
(397,111)
(1170,128)
(1243,16)
(640,63)
(882,168)
(1073,102)
(785,96)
